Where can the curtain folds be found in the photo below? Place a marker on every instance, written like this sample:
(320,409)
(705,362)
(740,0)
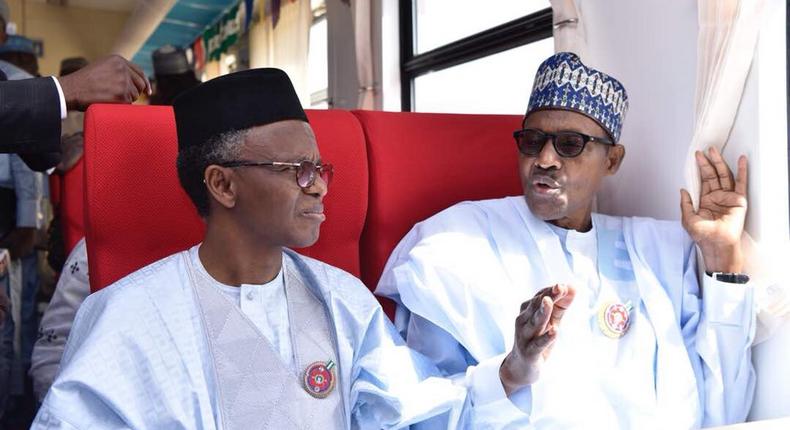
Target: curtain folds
(728,31)
(569,35)
(285,45)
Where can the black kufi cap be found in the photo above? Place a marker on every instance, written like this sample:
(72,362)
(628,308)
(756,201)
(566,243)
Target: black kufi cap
(236,101)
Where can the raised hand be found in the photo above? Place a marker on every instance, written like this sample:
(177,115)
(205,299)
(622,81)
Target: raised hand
(717,225)
(111,79)
(536,331)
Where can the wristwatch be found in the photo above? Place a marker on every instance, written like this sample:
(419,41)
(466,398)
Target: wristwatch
(732,278)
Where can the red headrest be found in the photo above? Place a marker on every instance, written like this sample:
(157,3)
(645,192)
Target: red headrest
(137,212)
(72,205)
(342,143)
(422,163)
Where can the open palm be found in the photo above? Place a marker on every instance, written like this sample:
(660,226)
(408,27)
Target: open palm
(716,226)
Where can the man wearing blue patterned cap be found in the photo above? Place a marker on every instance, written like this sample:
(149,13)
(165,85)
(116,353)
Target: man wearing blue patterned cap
(611,327)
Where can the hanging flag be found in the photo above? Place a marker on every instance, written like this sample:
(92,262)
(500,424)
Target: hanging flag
(223,34)
(275,5)
(199,54)
(248,9)
(213,40)
(231,27)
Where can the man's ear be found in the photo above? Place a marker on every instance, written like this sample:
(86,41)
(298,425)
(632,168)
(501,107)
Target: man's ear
(614,158)
(221,185)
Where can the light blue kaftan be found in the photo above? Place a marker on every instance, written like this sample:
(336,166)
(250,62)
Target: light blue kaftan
(137,357)
(460,277)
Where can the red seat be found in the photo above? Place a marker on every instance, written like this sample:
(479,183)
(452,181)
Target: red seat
(137,212)
(423,163)
(341,143)
(72,205)
(54,189)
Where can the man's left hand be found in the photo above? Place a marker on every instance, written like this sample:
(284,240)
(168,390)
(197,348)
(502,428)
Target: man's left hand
(717,225)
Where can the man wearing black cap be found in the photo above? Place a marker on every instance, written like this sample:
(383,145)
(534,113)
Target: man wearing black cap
(173,74)
(239,331)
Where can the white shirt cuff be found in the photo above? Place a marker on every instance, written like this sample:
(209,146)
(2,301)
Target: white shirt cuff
(728,303)
(63,110)
(488,394)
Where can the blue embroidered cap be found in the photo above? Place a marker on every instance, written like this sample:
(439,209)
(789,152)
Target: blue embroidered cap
(563,82)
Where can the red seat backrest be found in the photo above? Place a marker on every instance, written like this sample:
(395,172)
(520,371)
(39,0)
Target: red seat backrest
(423,163)
(54,189)
(342,143)
(137,212)
(72,205)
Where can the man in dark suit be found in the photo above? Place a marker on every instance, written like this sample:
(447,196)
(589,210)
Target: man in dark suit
(31,109)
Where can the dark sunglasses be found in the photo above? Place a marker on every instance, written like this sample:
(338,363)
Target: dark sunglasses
(306,171)
(568,144)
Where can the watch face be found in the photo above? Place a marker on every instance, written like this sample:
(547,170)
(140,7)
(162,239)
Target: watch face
(732,278)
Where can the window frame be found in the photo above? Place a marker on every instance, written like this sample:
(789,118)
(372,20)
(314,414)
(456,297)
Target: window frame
(518,32)
(322,95)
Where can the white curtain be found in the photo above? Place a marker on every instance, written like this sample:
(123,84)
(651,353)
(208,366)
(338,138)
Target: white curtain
(569,35)
(286,45)
(728,31)
(360,16)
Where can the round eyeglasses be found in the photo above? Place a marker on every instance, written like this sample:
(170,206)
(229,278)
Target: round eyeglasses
(568,144)
(306,171)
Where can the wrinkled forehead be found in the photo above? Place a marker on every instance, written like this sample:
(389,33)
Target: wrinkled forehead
(292,139)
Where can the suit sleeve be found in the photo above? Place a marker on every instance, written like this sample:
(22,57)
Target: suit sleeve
(30,116)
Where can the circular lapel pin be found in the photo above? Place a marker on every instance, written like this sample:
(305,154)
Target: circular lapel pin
(614,319)
(319,379)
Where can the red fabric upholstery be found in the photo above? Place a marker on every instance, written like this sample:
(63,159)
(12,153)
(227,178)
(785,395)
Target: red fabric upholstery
(423,163)
(72,205)
(54,189)
(137,212)
(341,143)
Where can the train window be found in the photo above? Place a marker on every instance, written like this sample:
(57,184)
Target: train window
(439,22)
(317,57)
(497,84)
(448,47)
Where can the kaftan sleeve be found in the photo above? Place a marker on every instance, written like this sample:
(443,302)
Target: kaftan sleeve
(718,326)
(70,292)
(421,326)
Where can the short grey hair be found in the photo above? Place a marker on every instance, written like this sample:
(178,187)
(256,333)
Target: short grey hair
(193,161)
